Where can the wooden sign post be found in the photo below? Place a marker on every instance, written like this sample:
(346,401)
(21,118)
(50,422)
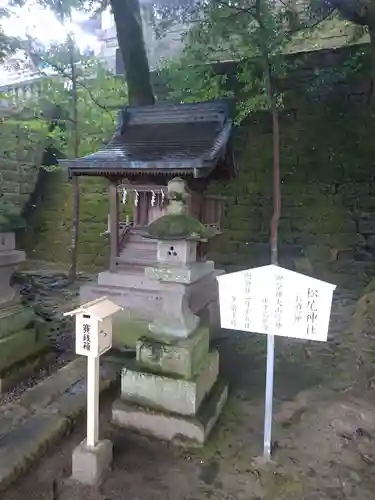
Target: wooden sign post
(275,301)
(93,338)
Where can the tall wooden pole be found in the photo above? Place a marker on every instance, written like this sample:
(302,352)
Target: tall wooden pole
(74,244)
(113,224)
(274,226)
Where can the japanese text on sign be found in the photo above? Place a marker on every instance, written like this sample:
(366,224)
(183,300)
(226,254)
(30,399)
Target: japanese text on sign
(273,300)
(86,337)
(312,311)
(278,300)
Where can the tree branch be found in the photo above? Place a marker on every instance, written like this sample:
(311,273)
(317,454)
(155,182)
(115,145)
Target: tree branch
(252,12)
(63,72)
(235,7)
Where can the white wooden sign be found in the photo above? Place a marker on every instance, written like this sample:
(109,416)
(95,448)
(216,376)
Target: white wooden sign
(94,326)
(93,338)
(275,301)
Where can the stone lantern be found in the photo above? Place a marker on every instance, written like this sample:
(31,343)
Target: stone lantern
(174,392)
(177,235)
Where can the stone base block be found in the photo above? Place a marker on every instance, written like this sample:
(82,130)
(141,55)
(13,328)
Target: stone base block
(180,430)
(176,395)
(142,300)
(180,274)
(90,464)
(22,344)
(183,357)
(15,318)
(9,377)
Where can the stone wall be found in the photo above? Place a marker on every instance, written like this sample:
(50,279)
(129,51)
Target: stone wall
(17,181)
(328,207)
(19,159)
(49,233)
(328,202)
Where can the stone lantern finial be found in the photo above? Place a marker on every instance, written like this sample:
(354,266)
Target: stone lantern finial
(177,195)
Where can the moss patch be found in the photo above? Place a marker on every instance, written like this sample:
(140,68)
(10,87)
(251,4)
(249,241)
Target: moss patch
(177,226)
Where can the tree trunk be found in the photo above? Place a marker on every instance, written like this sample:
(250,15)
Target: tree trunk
(74,243)
(127,15)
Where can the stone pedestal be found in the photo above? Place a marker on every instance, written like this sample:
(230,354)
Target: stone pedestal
(89,465)
(173,391)
(9,260)
(142,295)
(22,335)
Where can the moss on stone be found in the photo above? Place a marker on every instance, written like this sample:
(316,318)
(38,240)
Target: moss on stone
(178,226)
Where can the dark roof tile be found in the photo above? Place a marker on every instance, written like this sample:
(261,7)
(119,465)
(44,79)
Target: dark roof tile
(185,138)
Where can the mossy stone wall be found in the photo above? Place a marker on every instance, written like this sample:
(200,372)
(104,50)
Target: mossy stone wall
(49,233)
(327,185)
(328,202)
(17,181)
(327,173)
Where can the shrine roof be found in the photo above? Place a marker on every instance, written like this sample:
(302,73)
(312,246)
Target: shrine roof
(175,139)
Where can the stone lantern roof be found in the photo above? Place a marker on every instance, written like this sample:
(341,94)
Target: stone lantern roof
(176,224)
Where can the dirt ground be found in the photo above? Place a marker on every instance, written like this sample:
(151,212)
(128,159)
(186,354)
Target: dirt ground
(324,432)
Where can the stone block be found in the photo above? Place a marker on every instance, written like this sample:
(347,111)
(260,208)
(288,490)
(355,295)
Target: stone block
(176,251)
(180,430)
(25,369)
(26,442)
(15,318)
(20,345)
(175,319)
(176,395)
(42,394)
(183,274)
(90,464)
(9,260)
(182,358)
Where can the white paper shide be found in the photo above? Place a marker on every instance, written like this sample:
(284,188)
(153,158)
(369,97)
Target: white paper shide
(275,301)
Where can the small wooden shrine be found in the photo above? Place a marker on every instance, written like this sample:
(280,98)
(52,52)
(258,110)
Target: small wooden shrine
(152,145)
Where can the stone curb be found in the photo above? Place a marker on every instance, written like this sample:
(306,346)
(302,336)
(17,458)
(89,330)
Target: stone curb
(45,413)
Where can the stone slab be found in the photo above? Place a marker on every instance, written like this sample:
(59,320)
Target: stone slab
(25,368)
(186,431)
(11,414)
(176,395)
(20,345)
(71,403)
(179,274)
(142,300)
(90,464)
(46,391)
(27,442)
(26,432)
(15,318)
(182,357)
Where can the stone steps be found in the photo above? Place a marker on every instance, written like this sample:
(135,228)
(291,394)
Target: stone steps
(43,414)
(138,250)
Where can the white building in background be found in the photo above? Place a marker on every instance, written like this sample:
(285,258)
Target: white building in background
(19,75)
(157,49)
